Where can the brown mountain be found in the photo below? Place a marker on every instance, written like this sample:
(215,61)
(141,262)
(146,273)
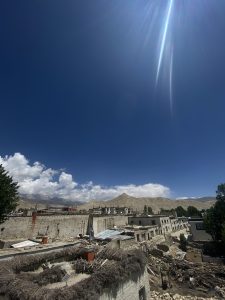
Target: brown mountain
(156,204)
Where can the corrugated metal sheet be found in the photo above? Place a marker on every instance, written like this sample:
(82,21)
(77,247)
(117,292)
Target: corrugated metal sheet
(24,244)
(107,234)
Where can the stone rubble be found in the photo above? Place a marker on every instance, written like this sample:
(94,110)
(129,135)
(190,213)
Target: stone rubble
(194,280)
(167,296)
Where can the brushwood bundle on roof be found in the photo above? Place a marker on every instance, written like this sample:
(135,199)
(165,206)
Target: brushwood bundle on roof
(121,266)
(55,274)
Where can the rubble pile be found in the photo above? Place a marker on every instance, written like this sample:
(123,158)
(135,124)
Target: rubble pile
(168,296)
(179,276)
(202,276)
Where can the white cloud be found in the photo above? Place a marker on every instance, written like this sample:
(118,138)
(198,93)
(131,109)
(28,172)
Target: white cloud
(37,179)
(185,198)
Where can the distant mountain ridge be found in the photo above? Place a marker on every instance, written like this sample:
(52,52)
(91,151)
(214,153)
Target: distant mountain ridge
(28,201)
(123,200)
(155,203)
(201,199)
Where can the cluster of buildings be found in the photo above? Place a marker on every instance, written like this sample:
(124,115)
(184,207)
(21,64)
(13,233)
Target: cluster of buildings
(105,239)
(147,226)
(57,210)
(144,227)
(111,210)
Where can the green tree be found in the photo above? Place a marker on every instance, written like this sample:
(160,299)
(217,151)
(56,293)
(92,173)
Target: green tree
(181,212)
(145,210)
(150,211)
(8,194)
(193,212)
(183,242)
(214,219)
(168,212)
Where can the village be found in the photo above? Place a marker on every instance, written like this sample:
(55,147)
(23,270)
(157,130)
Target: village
(112,182)
(106,253)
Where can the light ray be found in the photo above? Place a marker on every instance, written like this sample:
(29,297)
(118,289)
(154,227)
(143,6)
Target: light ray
(163,41)
(171,83)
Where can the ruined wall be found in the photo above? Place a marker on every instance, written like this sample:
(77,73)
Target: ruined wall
(130,290)
(156,240)
(123,244)
(54,226)
(101,223)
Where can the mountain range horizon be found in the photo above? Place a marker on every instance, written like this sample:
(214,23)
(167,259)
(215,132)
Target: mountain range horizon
(123,200)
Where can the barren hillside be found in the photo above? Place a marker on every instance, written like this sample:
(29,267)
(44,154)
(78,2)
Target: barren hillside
(156,203)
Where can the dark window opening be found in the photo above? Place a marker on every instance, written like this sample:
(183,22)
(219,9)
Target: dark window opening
(142,293)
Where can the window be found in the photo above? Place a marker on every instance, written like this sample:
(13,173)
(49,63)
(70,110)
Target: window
(142,293)
(138,238)
(139,222)
(153,222)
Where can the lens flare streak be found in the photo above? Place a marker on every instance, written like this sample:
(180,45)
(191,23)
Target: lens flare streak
(171,83)
(164,36)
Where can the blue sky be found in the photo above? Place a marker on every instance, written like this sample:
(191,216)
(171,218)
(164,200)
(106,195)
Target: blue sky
(79,94)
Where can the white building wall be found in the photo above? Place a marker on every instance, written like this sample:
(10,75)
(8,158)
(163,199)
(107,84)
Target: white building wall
(130,290)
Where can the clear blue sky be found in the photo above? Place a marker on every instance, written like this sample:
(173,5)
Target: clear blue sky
(78,90)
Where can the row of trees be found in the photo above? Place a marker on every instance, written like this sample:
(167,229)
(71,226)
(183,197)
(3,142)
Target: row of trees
(214,219)
(148,210)
(179,211)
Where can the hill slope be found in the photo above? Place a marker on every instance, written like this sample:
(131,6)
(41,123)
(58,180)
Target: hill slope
(156,203)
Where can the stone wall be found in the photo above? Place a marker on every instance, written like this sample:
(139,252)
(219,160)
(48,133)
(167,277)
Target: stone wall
(123,244)
(56,226)
(163,223)
(131,289)
(101,223)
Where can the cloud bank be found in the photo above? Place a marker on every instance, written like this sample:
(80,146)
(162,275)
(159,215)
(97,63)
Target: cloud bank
(37,179)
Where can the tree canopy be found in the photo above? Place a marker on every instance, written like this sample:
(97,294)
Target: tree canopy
(190,212)
(8,194)
(183,242)
(214,219)
(148,210)
(193,212)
